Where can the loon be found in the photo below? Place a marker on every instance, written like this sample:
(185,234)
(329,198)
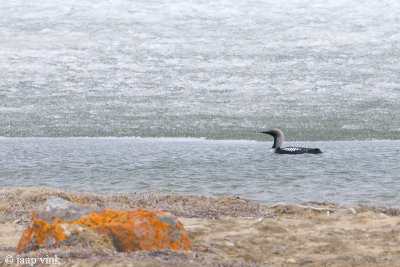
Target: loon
(278,141)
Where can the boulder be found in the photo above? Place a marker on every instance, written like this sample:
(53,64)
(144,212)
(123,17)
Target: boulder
(60,222)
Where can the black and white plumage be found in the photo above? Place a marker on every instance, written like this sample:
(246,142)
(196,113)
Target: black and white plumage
(278,141)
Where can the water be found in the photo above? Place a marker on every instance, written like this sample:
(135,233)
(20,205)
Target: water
(320,70)
(363,172)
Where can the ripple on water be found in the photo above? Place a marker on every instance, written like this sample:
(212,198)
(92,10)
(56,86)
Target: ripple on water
(347,172)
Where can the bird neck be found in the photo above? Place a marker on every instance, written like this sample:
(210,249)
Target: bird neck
(278,141)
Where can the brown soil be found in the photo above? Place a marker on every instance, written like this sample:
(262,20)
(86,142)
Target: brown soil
(228,231)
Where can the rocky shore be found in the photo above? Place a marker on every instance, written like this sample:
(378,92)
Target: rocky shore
(226,231)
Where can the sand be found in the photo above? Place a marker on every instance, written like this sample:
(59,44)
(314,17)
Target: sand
(227,231)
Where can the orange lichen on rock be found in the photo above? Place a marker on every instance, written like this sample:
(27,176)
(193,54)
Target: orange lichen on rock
(79,203)
(41,233)
(141,230)
(128,231)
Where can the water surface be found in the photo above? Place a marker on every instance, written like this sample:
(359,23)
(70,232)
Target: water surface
(320,70)
(348,172)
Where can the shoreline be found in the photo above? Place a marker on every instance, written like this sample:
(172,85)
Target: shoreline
(158,193)
(225,231)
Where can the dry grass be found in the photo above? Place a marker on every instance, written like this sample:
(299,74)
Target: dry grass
(18,203)
(390,211)
(227,231)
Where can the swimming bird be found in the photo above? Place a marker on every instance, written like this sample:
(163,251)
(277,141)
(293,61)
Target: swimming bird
(278,141)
